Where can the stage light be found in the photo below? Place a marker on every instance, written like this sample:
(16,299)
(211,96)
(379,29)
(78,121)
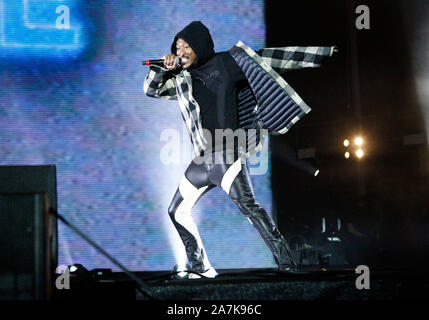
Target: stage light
(316,172)
(101,273)
(358,141)
(346,143)
(181,271)
(359,153)
(77,268)
(78,271)
(347,155)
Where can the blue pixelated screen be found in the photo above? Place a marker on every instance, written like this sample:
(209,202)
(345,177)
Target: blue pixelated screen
(71,94)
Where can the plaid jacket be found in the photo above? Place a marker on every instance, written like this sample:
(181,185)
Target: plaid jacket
(277,107)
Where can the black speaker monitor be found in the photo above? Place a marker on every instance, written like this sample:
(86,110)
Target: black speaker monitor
(28,240)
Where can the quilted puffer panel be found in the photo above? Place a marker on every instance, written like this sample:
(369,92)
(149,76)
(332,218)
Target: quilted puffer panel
(276,110)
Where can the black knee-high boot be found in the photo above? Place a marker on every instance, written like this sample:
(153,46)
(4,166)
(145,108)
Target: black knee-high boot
(268,230)
(241,193)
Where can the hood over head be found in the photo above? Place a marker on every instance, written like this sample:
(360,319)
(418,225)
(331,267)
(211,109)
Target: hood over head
(197,35)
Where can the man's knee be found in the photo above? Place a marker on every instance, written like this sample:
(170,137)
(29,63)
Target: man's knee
(172,210)
(247,204)
(175,202)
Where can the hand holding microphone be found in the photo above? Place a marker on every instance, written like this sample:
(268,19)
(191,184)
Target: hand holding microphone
(169,61)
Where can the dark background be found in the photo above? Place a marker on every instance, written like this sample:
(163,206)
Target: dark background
(367,88)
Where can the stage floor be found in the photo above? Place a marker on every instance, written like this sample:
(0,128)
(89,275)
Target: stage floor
(310,283)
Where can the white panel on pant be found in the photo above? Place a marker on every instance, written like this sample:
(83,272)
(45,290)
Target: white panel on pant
(230,174)
(183,214)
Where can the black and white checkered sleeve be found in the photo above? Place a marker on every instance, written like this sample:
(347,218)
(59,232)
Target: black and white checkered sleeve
(159,83)
(295,57)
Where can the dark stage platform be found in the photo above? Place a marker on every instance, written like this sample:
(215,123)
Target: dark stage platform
(311,283)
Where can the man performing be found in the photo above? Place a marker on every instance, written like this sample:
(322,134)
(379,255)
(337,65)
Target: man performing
(237,89)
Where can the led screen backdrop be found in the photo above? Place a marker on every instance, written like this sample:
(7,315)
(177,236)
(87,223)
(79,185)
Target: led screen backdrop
(71,95)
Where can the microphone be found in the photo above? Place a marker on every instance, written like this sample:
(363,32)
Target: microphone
(160,62)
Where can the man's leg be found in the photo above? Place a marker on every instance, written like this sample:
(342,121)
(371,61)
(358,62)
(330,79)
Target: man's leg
(237,184)
(193,185)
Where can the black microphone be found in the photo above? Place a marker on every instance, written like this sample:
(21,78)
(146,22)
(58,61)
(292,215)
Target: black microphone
(160,62)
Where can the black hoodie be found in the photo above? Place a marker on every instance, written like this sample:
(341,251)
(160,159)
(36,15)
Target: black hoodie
(216,79)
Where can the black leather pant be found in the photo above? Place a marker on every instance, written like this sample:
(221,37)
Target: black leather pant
(234,179)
